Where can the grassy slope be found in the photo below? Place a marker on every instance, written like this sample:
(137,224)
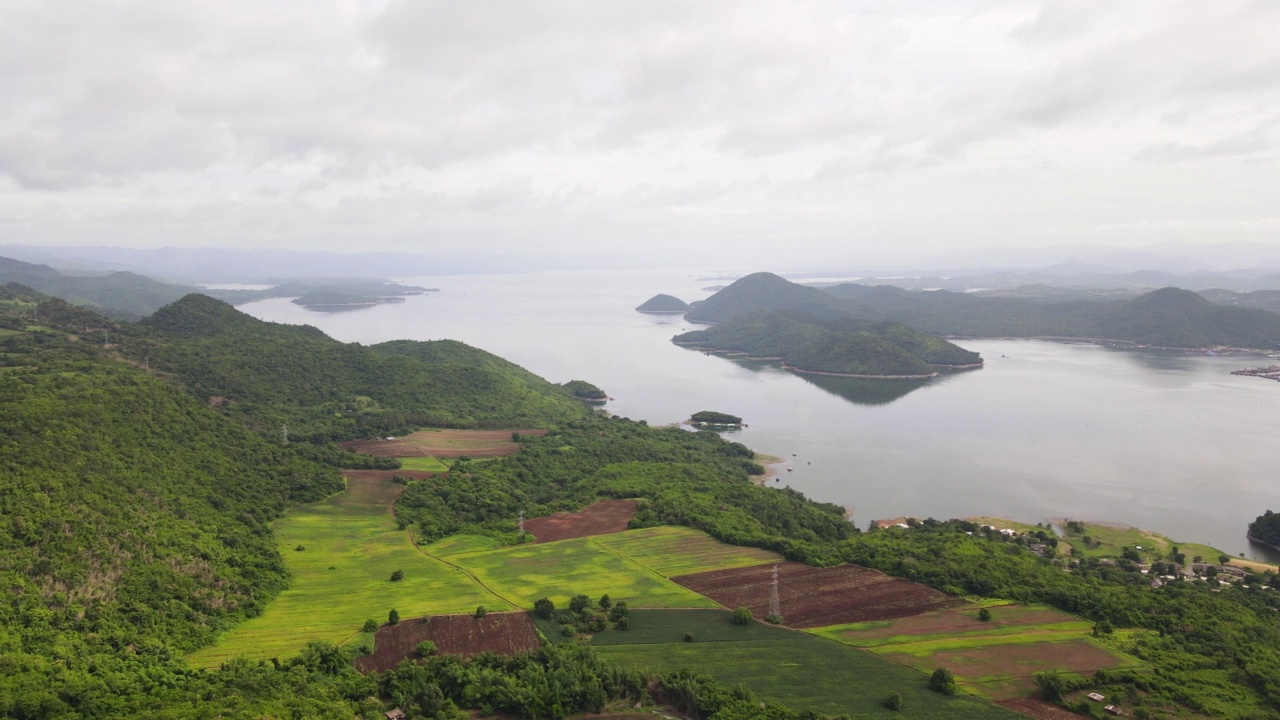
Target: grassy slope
(354,534)
(563,569)
(429,464)
(670,551)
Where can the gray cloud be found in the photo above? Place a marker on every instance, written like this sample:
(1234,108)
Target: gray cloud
(834,128)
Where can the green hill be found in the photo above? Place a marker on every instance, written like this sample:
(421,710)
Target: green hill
(268,374)
(765,291)
(844,346)
(663,304)
(119,294)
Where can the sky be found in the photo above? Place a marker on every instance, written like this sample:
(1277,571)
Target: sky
(799,134)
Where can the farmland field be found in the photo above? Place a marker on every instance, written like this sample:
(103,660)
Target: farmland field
(341,578)
(423,463)
(524,573)
(600,517)
(443,444)
(506,633)
(816,597)
(798,670)
(670,550)
(708,626)
(995,658)
(371,475)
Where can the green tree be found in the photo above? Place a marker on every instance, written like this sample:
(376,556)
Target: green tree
(579,603)
(481,612)
(742,616)
(426,648)
(397,576)
(943,681)
(894,701)
(544,608)
(393,617)
(369,626)
(984,614)
(605,602)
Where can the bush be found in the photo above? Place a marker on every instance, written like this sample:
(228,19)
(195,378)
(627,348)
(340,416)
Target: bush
(623,623)
(567,631)
(426,648)
(300,548)
(984,614)
(605,602)
(579,603)
(688,637)
(369,626)
(894,701)
(544,608)
(393,617)
(742,616)
(942,681)
(775,619)
(397,576)
(481,612)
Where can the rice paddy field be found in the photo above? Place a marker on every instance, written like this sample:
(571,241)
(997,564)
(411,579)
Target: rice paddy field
(670,551)
(996,658)
(341,577)
(560,570)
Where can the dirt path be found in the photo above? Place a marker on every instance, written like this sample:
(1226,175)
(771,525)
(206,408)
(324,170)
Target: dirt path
(479,583)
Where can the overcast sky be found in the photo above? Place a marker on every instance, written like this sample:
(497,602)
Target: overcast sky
(774,132)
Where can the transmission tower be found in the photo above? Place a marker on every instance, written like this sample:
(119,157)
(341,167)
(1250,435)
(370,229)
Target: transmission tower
(775,607)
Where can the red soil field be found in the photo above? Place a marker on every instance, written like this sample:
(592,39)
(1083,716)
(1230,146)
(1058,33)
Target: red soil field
(506,633)
(599,518)
(814,597)
(965,620)
(1038,709)
(443,444)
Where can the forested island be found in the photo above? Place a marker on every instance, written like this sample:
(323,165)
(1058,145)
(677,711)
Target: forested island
(338,301)
(1265,529)
(663,305)
(1168,317)
(711,417)
(149,490)
(832,345)
(584,390)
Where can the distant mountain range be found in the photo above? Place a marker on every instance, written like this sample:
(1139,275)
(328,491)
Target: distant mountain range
(1169,317)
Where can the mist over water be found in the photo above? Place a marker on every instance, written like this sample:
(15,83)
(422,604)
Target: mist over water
(1166,441)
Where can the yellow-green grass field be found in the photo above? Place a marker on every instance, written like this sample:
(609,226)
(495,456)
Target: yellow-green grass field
(461,545)
(560,570)
(342,578)
(995,658)
(672,551)
(791,668)
(428,464)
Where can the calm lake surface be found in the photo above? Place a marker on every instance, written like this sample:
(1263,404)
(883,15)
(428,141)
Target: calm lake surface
(1165,441)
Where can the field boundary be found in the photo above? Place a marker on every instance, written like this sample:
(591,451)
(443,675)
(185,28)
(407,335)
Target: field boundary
(479,583)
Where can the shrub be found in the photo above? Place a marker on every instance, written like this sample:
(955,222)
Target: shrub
(481,612)
(984,614)
(426,648)
(567,631)
(605,602)
(369,626)
(688,637)
(623,623)
(742,616)
(300,548)
(942,681)
(775,619)
(894,701)
(544,608)
(397,576)
(393,617)
(579,603)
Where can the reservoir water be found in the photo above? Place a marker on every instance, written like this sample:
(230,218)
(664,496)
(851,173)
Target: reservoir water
(1166,441)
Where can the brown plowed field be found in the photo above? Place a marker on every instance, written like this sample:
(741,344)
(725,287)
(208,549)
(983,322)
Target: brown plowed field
(814,597)
(367,475)
(506,633)
(443,444)
(599,518)
(1038,709)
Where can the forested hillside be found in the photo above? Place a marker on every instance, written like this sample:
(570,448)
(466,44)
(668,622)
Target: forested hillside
(842,345)
(119,294)
(268,374)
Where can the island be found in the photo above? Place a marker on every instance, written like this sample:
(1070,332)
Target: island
(1271,372)
(1265,530)
(842,347)
(337,301)
(663,305)
(585,391)
(710,418)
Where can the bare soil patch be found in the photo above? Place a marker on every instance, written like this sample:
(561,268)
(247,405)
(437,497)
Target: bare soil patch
(815,597)
(506,633)
(1038,709)
(366,488)
(443,444)
(599,518)
(965,620)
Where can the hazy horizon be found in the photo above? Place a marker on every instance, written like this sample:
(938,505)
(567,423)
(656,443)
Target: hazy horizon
(757,134)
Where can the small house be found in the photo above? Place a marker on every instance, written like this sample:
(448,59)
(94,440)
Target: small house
(1096,697)
(394,714)
(1114,710)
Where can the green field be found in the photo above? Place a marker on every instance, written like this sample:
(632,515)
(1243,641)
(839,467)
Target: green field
(672,551)
(560,570)
(994,658)
(342,578)
(461,544)
(708,626)
(802,671)
(428,464)
(5,332)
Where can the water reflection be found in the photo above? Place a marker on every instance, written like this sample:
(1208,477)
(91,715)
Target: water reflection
(864,391)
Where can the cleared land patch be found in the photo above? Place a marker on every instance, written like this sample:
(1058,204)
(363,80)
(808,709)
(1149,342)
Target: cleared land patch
(524,573)
(341,577)
(816,597)
(804,672)
(385,474)
(598,518)
(443,444)
(1038,709)
(671,550)
(506,633)
(426,463)
(995,658)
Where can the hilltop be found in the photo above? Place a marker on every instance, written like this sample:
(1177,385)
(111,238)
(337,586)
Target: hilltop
(663,304)
(121,295)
